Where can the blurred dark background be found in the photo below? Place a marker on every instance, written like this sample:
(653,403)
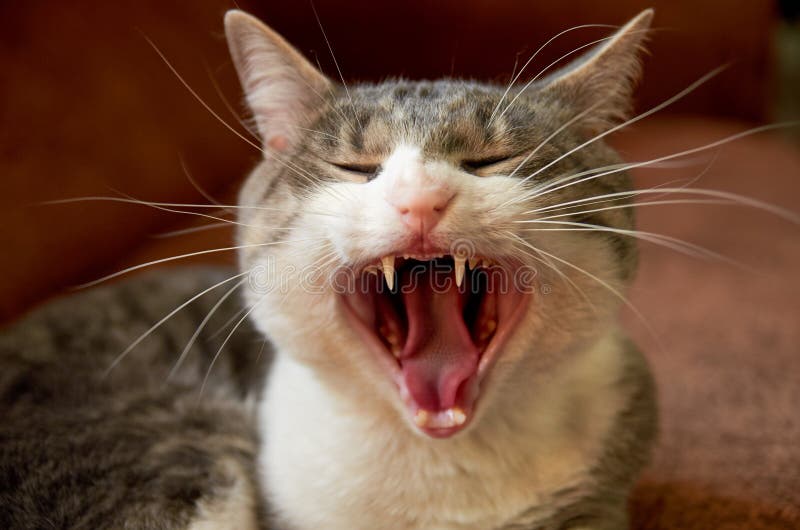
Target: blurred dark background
(88,108)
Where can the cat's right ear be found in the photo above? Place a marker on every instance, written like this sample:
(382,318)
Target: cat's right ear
(282,88)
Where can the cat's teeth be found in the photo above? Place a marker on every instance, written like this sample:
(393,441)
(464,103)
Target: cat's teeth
(459,270)
(421,418)
(371,269)
(473,262)
(388,270)
(487,263)
(392,338)
(487,329)
(444,419)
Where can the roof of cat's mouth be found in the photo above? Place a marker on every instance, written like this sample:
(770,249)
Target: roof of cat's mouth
(437,323)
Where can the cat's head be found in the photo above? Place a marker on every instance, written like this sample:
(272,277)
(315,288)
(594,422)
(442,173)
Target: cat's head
(434,249)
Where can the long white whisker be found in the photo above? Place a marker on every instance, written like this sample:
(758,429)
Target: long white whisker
(572,120)
(228,105)
(169,315)
(198,98)
(321,262)
(224,342)
(514,78)
(336,63)
(207,196)
(261,350)
(191,230)
(321,133)
(591,200)
(679,245)
(197,214)
(533,193)
(564,278)
(610,288)
(189,255)
(173,204)
(328,101)
(727,139)
(685,183)
(620,166)
(207,216)
(264,150)
(227,323)
(582,271)
(546,68)
(640,204)
(315,263)
(635,119)
(309,178)
(724,195)
(202,326)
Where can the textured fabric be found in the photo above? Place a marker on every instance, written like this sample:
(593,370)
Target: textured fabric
(727,365)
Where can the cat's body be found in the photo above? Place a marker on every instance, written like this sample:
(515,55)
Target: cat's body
(563,460)
(82,449)
(505,397)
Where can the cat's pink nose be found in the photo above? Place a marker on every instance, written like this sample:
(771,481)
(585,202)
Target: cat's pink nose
(421,208)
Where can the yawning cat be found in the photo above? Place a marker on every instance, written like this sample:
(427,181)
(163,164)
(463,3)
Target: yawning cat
(421,379)
(444,354)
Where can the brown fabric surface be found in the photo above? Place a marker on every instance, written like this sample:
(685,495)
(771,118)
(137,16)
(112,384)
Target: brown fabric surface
(728,366)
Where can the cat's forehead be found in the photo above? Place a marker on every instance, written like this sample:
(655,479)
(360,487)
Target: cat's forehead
(441,117)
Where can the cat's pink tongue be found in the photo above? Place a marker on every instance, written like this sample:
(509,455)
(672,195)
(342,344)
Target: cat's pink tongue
(439,355)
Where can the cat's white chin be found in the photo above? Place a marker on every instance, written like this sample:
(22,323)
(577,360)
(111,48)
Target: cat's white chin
(437,327)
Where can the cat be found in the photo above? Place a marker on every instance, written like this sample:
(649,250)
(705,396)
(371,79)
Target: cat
(436,359)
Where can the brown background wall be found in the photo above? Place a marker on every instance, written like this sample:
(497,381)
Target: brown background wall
(88,108)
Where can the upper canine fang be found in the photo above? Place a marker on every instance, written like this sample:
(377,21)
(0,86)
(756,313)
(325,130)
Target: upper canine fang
(388,270)
(459,263)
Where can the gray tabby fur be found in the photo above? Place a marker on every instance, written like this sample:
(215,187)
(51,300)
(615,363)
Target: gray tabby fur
(79,449)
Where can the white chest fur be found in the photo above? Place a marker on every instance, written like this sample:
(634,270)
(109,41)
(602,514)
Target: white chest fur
(327,465)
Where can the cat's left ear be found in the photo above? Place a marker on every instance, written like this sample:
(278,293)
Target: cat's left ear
(601,82)
(283,89)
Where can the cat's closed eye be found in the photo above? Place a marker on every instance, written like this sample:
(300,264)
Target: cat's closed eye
(480,165)
(357,171)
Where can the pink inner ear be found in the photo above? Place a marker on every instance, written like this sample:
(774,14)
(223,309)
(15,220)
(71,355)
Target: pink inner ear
(278,143)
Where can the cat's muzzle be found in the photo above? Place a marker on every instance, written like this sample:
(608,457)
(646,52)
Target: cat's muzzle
(439,324)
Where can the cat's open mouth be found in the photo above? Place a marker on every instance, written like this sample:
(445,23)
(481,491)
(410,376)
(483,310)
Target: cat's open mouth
(438,324)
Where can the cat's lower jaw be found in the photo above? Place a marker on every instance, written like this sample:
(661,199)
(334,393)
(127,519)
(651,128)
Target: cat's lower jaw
(330,463)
